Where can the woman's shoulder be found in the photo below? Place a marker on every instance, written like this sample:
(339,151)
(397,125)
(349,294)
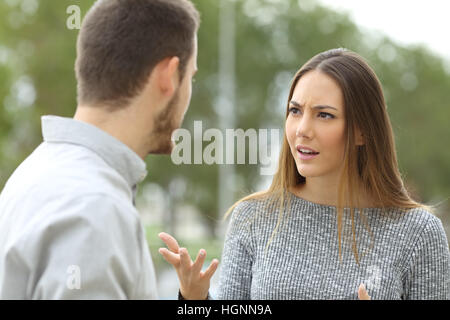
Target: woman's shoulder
(251,205)
(416,216)
(421,222)
(425,236)
(245,207)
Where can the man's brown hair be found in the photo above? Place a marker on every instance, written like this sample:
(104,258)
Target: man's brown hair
(121,41)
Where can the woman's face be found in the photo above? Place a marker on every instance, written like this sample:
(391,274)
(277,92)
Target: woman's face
(316,120)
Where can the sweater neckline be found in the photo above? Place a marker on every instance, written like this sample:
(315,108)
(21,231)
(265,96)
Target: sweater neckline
(324,206)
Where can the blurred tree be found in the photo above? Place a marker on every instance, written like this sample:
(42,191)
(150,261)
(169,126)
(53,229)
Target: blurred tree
(273,39)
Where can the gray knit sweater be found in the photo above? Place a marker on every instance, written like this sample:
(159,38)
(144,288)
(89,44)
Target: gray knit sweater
(409,259)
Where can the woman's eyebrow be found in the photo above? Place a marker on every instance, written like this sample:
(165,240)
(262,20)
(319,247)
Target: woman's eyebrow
(320,107)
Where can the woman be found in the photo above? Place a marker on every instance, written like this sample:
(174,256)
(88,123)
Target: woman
(337,217)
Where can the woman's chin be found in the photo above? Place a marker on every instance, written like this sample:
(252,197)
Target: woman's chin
(307,172)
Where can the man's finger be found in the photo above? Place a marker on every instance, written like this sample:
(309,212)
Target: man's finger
(362,293)
(170,241)
(211,269)
(185,259)
(170,257)
(198,264)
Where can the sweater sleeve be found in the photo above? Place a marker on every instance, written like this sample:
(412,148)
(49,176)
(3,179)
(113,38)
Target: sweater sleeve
(428,273)
(237,257)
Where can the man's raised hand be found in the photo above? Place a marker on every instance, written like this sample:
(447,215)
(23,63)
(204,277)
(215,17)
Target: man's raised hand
(194,284)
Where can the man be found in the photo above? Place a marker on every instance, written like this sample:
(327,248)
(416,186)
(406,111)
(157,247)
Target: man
(68,226)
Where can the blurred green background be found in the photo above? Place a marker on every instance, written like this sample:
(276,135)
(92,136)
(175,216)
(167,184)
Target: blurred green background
(272,40)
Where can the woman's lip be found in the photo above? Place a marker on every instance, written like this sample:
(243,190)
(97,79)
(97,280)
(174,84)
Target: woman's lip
(299,147)
(306,156)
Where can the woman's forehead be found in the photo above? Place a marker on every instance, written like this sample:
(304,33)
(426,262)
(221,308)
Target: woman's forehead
(316,87)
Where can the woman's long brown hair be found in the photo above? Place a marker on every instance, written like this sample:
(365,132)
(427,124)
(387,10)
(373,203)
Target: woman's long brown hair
(372,167)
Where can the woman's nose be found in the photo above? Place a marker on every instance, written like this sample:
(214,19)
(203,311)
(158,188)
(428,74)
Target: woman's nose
(304,127)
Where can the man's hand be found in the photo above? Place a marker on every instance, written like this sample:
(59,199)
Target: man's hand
(194,284)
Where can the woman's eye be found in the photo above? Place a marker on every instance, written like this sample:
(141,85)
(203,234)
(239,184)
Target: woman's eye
(326,115)
(294,110)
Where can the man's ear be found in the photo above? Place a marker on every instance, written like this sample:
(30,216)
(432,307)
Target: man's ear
(168,77)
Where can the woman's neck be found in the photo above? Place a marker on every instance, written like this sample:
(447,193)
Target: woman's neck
(327,196)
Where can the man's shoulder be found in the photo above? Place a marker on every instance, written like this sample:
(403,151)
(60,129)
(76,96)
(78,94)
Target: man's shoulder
(90,214)
(95,208)
(52,186)
(48,173)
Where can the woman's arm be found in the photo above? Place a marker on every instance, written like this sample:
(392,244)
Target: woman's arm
(237,256)
(428,270)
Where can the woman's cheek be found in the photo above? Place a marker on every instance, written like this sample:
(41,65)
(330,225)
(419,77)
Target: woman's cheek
(290,132)
(334,144)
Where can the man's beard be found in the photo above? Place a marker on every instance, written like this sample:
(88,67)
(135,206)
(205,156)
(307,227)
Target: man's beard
(164,125)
